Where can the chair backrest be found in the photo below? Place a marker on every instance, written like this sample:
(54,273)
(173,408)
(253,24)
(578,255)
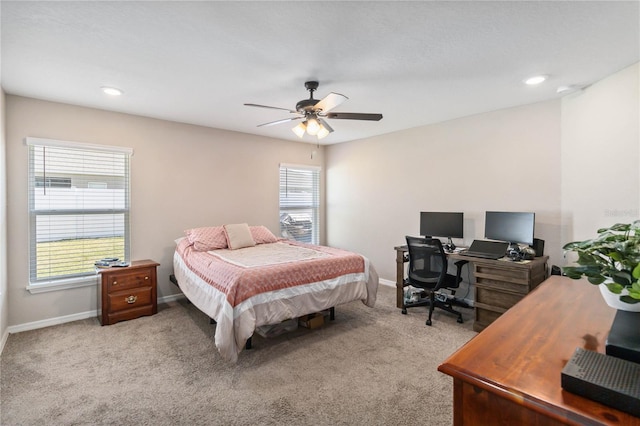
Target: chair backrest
(427,262)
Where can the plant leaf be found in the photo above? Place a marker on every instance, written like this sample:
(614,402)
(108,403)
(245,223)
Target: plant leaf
(634,290)
(622,277)
(636,272)
(618,227)
(630,300)
(600,279)
(615,256)
(614,288)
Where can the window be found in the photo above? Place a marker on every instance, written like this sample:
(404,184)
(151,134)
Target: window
(300,203)
(78,211)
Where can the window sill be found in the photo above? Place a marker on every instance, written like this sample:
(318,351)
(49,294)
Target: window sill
(63,284)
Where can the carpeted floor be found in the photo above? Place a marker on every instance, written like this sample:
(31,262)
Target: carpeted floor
(368,367)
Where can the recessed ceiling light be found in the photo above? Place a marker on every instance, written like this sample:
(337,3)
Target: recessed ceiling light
(537,79)
(112,91)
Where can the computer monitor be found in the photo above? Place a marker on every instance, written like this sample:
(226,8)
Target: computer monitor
(512,227)
(442,224)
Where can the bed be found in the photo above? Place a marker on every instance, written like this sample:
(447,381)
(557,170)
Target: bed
(244,277)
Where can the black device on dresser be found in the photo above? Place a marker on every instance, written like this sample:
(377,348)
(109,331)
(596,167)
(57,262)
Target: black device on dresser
(623,340)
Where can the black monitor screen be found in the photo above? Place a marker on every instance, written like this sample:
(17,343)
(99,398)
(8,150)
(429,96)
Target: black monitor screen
(512,227)
(441,224)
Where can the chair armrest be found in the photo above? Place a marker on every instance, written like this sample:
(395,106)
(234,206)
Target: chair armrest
(459,264)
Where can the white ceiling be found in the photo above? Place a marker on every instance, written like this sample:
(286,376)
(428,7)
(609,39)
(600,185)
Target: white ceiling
(417,63)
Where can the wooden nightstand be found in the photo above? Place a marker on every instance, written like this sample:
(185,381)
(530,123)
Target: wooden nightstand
(127,293)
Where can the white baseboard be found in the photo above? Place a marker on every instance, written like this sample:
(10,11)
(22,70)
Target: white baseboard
(387,282)
(69,318)
(171,298)
(34,325)
(3,341)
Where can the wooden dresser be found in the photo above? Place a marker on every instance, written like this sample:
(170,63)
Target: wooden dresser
(510,373)
(127,293)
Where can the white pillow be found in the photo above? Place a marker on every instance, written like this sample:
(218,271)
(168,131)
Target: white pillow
(238,236)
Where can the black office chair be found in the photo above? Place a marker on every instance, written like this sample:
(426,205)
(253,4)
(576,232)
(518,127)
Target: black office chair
(428,271)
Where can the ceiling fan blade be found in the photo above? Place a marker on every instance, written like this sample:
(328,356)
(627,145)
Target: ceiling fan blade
(354,116)
(272,107)
(329,102)
(279,121)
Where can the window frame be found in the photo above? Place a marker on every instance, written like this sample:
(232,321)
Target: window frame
(314,206)
(87,278)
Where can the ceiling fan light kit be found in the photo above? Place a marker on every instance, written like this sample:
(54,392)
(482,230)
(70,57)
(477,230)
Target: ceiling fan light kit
(323,132)
(300,129)
(313,111)
(313,126)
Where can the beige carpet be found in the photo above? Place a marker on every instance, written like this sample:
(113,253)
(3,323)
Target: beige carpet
(368,367)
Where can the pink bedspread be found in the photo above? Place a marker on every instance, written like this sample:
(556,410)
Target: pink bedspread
(241,298)
(240,283)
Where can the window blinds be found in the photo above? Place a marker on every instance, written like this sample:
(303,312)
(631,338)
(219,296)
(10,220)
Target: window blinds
(78,207)
(300,202)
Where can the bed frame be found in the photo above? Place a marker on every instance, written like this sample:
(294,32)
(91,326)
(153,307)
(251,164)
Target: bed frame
(332,312)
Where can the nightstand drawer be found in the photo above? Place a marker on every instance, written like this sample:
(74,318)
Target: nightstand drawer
(129,279)
(121,300)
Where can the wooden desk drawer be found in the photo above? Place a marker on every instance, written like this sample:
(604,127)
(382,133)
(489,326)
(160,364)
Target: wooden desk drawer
(133,298)
(520,288)
(498,299)
(129,279)
(517,275)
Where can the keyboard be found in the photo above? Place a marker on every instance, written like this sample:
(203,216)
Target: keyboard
(482,255)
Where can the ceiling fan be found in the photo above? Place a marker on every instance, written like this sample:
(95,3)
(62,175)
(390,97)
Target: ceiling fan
(314,111)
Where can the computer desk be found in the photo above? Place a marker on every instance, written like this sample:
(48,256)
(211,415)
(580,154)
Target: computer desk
(499,285)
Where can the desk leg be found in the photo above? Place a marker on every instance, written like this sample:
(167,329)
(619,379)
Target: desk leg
(399,277)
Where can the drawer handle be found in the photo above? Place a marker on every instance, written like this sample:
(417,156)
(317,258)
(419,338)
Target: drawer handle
(146,278)
(131,299)
(115,283)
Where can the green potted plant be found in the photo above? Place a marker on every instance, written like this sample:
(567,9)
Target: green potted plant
(611,260)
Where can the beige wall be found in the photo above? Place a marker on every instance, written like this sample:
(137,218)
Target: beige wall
(4,294)
(502,160)
(573,161)
(601,154)
(182,176)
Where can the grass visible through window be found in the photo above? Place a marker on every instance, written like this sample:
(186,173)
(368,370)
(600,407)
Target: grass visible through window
(75,257)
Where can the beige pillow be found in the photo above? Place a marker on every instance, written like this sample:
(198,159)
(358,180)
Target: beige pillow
(238,236)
